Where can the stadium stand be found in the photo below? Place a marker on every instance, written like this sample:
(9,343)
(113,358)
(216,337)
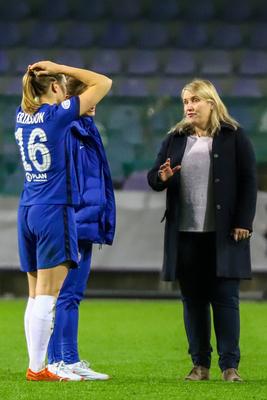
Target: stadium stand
(77,35)
(150,49)
(191,36)
(216,62)
(106,61)
(227,36)
(142,62)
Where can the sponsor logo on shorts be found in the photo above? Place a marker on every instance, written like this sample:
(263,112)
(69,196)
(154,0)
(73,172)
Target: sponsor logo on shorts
(35,177)
(66,104)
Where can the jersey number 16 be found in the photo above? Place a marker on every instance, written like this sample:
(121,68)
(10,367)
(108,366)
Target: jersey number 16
(33,148)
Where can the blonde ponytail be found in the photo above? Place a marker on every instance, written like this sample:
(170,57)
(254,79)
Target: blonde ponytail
(30,102)
(35,86)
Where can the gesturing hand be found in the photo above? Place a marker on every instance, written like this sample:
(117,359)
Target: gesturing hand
(239,234)
(165,170)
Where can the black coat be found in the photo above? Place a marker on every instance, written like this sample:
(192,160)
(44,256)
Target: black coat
(235,190)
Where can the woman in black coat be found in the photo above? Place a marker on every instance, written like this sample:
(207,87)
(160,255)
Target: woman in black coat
(208,167)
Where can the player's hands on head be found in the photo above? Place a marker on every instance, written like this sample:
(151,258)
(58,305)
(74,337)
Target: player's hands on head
(45,68)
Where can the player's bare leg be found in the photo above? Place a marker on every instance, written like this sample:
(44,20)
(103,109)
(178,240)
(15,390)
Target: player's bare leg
(48,285)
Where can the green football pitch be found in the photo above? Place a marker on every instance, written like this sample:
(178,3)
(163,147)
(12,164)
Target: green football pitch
(142,345)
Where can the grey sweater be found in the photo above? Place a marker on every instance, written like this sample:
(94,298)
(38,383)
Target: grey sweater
(196,195)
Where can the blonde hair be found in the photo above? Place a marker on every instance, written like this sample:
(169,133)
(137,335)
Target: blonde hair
(206,91)
(34,86)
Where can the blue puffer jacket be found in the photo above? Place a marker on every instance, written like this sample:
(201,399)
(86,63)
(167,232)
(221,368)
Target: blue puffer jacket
(96,214)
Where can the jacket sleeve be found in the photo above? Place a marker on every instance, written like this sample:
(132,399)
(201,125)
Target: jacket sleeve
(246,182)
(153,179)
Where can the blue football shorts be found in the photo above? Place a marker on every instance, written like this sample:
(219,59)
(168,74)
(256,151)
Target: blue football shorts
(47,236)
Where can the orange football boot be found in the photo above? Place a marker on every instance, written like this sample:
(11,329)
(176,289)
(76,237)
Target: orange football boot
(43,375)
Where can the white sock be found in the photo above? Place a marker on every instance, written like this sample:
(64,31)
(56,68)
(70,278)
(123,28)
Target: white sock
(27,316)
(41,326)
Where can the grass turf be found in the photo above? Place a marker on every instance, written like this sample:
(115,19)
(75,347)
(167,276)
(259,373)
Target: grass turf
(142,345)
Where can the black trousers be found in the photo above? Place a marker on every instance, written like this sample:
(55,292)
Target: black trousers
(202,290)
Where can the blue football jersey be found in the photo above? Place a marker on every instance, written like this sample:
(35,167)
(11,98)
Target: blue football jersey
(46,153)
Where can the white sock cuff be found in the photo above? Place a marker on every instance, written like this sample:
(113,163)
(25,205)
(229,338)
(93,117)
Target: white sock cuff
(44,307)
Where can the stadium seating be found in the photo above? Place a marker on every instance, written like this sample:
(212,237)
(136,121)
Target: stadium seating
(216,62)
(254,63)
(14,10)
(43,35)
(180,62)
(164,10)
(152,35)
(69,57)
(150,38)
(53,10)
(23,59)
(246,88)
(135,87)
(9,34)
(227,36)
(114,35)
(191,36)
(126,10)
(170,86)
(105,61)
(258,37)
(142,62)
(199,11)
(236,11)
(82,11)
(77,35)
(151,49)
(4,62)
(11,86)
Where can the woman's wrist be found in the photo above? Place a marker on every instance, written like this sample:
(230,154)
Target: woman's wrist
(66,70)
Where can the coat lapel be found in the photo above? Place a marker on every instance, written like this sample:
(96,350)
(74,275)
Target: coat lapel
(216,143)
(176,149)
(175,152)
